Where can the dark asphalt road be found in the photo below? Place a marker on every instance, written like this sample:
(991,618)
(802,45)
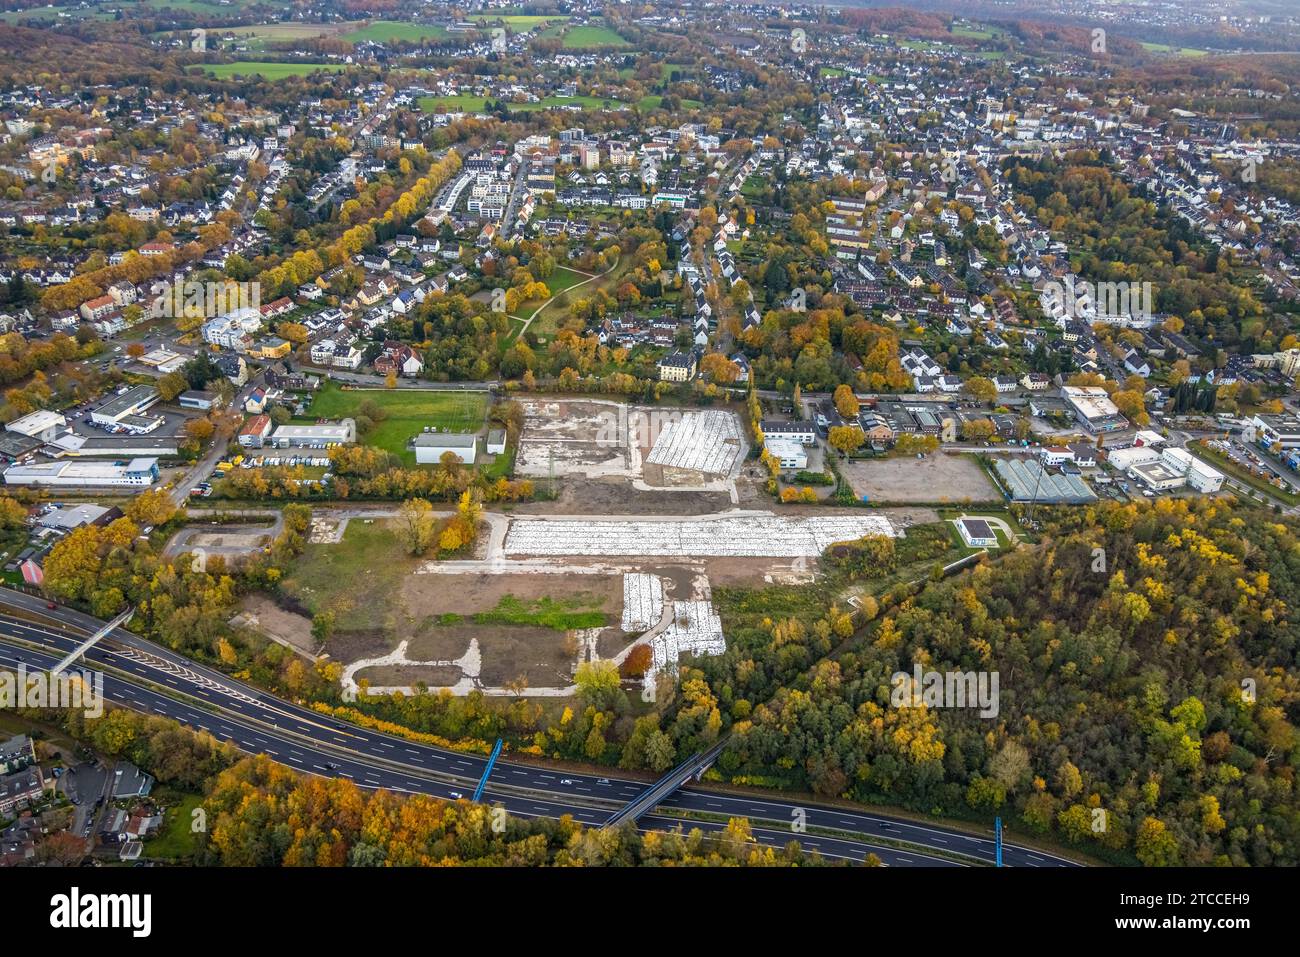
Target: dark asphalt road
(298,737)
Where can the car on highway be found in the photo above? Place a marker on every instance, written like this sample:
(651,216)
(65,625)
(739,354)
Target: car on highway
(456,795)
(50,604)
(602,780)
(566,781)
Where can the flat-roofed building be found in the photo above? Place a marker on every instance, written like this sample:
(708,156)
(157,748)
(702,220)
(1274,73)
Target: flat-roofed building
(41,424)
(141,472)
(315,436)
(431,446)
(1093,408)
(1282,431)
(1157,476)
(977,533)
(788,452)
(130,403)
(803,432)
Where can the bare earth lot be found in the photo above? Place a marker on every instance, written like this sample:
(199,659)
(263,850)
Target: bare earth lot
(426,596)
(935,478)
(275,622)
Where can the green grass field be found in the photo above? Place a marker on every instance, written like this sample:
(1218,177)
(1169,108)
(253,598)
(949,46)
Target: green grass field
(268,71)
(977,33)
(563,278)
(584,37)
(520,23)
(385,31)
(176,840)
(353,578)
(408,412)
(1176,51)
(653,102)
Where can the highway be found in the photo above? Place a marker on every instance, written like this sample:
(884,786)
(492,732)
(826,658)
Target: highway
(154,680)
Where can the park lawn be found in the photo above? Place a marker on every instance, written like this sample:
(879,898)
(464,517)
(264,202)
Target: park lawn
(409,412)
(384,31)
(547,322)
(516,327)
(832,71)
(653,101)
(585,37)
(268,71)
(358,578)
(563,278)
(176,840)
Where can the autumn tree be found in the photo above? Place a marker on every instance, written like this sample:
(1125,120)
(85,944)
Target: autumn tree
(416,525)
(151,507)
(846,439)
(846,403)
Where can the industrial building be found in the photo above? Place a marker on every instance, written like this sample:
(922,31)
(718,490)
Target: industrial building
(113,446)
(314,436)
(125,409)
(789,453)
(1157,476)
(430,447)
(1175,468)
(137,472)
(1280,431)
(41,424)
(1093,408)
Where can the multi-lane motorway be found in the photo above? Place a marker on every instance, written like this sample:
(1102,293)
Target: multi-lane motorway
(149,678)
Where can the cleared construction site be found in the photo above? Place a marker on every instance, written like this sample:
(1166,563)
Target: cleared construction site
(729,535)
(662,447)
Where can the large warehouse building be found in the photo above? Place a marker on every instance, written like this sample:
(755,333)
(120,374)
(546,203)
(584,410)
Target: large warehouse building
(137,472)
(314,436)
(125,406)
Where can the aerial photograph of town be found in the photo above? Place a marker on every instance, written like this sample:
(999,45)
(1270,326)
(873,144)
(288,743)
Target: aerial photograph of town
(581,434)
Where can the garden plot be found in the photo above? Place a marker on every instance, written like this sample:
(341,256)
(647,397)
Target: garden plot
(696,629)
(763,536)
(643,601)
(708,444)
